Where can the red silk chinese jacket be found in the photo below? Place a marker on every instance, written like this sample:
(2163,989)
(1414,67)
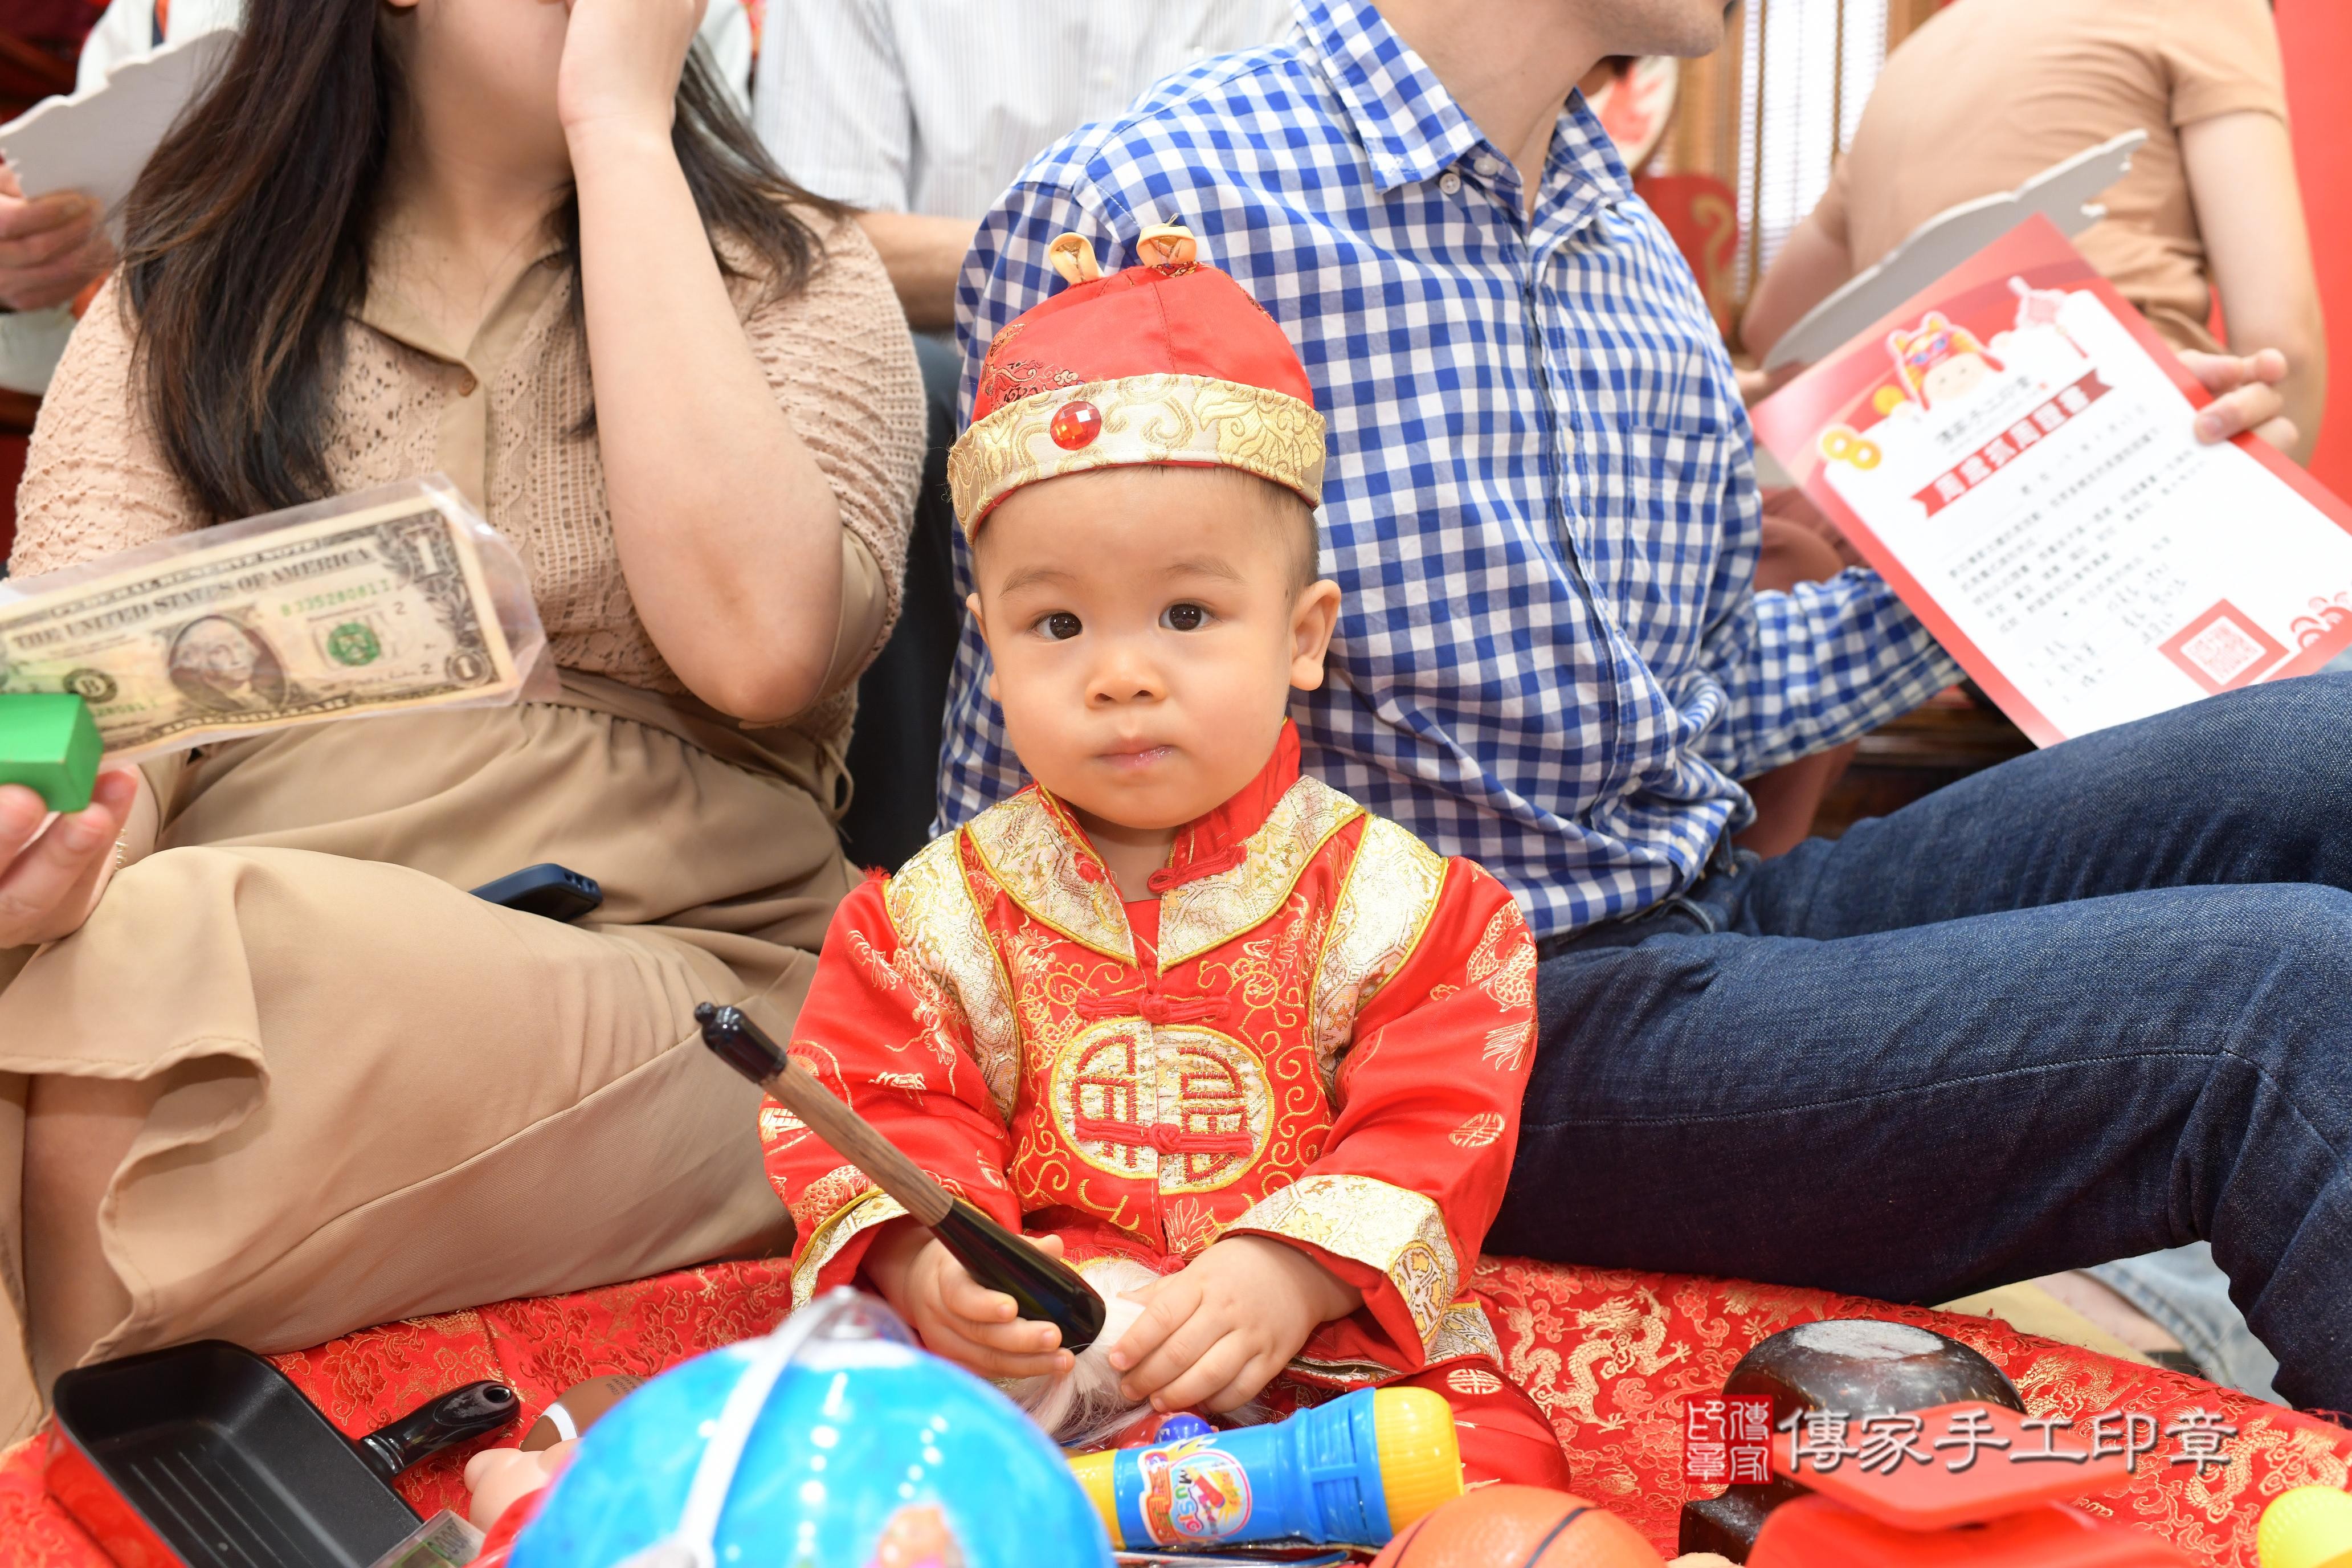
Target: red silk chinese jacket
(1324,1040)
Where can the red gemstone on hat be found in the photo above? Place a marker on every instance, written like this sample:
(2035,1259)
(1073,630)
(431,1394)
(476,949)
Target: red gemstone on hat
(1075,425)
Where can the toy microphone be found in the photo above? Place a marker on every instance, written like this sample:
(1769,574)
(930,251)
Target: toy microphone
(1047,1290)
(1355,1471)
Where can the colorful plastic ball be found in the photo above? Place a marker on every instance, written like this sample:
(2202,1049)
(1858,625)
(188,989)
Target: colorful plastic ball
(833,1443)
(1519,1527)
(2309,1527)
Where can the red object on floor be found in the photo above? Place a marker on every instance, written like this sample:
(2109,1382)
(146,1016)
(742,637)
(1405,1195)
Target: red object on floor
(1608,1355)
(1985,1481)
(1814,1532)
(1523,1527)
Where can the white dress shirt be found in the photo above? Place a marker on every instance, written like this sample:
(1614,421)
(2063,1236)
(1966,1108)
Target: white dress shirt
(128,30)
(932,106)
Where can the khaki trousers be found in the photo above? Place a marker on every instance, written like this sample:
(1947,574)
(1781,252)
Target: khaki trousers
(377,1095)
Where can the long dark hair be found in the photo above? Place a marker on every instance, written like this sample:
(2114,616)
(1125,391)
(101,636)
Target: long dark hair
(245,241)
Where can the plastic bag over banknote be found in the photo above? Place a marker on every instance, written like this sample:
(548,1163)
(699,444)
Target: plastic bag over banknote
(387,601)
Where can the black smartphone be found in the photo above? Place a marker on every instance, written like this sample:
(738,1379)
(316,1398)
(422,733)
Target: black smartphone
(547,889)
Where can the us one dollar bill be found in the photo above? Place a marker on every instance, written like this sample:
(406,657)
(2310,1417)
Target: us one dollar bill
(385,607)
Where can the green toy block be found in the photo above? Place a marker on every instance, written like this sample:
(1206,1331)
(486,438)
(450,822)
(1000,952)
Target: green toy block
(49,739)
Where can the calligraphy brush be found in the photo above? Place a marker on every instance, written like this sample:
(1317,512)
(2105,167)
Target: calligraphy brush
(1046,1289)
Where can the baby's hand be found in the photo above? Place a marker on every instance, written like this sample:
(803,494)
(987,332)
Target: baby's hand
(1214,1335)
(959,1319)
(501,1477)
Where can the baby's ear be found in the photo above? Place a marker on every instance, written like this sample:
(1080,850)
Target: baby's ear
(1312,617)
(972,608)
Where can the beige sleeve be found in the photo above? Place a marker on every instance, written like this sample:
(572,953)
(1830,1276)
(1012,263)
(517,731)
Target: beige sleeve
(96,480)
(865,596)
(843,364)
(2223,59)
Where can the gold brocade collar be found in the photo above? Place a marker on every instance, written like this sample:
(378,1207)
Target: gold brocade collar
(1037,853)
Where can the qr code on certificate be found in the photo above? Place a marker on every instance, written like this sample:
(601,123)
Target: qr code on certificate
(2223,649)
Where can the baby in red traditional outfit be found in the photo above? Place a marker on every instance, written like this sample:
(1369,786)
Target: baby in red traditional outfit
(1175,1004)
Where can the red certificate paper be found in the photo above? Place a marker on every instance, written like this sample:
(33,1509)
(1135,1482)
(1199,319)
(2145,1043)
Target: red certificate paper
(2012,450)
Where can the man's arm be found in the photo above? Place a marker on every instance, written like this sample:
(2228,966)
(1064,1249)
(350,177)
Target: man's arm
(1812,265)
(924,257)
(1802,671)
(2241,172)
(830,102)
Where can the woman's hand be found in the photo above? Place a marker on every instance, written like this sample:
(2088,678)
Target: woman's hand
(959,1317)
(1214,1335)
(50,881)
(620,63)
(2246,397)
(729,532)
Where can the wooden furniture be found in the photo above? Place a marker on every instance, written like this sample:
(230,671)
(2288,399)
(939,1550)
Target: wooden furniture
(37,54)
(1953,736)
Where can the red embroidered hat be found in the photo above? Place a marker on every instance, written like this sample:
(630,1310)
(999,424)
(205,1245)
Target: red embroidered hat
(1167,363)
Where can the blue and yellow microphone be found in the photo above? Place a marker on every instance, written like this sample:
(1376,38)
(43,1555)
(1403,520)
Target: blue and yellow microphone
(1353,1472)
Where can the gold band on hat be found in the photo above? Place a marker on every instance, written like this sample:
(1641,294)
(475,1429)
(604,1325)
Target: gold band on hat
(1186,420)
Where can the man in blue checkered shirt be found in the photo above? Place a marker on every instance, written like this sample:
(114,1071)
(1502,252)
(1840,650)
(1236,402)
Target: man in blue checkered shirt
(2033,1021)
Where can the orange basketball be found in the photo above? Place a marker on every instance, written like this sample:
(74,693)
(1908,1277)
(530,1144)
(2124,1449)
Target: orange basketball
(1519,1527)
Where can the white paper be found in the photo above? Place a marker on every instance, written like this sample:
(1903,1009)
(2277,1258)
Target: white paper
(2098,555)
(96,140)
(2062,192)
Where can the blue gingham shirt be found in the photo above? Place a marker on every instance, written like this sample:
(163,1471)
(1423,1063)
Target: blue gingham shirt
(1540,500)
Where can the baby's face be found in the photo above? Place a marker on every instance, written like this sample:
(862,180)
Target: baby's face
(1147,626)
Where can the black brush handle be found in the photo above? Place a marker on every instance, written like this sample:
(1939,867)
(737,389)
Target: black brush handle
(1047,1290)
(459,1414)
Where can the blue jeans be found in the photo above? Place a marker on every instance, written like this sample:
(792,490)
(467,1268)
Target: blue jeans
(2084,1005)
(2182,1289)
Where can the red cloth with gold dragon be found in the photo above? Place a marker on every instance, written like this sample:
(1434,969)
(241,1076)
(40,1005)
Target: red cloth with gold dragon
(1317,1031)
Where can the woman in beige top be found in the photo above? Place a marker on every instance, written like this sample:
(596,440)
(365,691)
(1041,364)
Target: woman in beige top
(273,1073)
(1989,93)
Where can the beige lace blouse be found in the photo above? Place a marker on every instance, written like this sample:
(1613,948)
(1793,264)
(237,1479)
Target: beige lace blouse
(498,417)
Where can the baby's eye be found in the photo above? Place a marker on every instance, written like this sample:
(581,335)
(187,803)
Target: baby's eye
(1060,626)
(1183,617)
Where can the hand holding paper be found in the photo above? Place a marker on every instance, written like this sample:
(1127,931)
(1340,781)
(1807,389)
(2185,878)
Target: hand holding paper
(2014,449)
(50,247)
(2246,397)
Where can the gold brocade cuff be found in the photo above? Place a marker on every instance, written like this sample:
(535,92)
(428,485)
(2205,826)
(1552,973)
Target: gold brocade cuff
(861,1213)
(1369,1222)
(1132,421)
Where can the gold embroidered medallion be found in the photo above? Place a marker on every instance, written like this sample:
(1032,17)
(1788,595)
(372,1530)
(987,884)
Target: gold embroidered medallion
(1187,1108)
